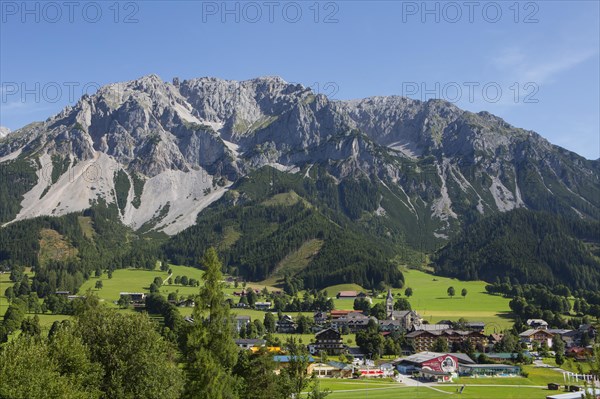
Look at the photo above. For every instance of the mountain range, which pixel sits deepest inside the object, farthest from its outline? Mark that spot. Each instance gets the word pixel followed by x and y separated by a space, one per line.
pixel 394 168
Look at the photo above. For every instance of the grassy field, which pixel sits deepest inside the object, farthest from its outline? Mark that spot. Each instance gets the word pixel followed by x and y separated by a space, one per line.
pixel 4 284
pixel 433 304
pixel 295 262
pixel 429 295
pixel 431 301
pixel 123 280
pixel 377 389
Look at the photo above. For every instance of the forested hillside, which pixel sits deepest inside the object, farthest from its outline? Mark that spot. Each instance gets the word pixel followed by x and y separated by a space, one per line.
pixel 528 247
pixel 269 215
pixel 86 243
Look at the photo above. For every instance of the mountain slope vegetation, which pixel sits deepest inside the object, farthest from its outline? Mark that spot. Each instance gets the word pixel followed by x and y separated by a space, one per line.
pixel 527 248
pixel 270 230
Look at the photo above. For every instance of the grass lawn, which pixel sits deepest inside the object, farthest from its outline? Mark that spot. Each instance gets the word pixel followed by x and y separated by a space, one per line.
pixel 479 392
pixel 569 365
pixel 378 389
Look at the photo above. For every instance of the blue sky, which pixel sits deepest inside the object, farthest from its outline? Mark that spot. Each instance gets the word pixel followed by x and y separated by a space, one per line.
pixel 536 64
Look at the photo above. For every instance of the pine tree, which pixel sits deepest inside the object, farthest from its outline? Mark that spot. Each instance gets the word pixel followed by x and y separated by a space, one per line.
pixel 211 350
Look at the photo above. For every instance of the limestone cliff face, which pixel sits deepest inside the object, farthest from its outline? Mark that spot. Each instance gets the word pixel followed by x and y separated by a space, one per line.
pixel 184 143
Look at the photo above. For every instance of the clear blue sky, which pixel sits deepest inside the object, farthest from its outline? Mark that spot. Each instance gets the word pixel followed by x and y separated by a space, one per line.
pixel 548 51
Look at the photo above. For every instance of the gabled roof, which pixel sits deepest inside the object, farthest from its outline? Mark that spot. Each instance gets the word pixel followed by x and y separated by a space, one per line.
pixel 392 322
pixel 355 350
pixel 559 331
pixel 401 313
pixel 475 324
pixel 463 358
pixel 327 329
pixel 532 331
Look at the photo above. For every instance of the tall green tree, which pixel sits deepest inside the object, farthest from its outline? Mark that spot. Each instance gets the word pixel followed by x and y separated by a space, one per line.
pixel 402 304
pixel 270 322
pixel 370 340
pixel 211 351
pixel 137 361
pixel 440 345
pixel 30 368
pixel 294 377
pixel 259 380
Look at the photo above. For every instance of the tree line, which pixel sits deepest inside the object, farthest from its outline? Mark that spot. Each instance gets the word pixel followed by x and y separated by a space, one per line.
pixel 102 353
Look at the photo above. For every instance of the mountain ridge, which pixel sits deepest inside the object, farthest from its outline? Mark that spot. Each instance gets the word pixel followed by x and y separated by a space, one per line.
pixel 181 145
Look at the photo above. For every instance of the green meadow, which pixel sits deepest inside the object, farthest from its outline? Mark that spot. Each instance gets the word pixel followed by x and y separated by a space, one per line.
pixel 123 280
pixel 429 297
pixel 431 301
pixel 4 284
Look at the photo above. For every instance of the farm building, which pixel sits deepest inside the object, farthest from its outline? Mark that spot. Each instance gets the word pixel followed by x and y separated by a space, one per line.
pixel 347 294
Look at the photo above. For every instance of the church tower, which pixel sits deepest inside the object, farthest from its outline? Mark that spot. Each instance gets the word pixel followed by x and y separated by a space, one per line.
pixel 389 305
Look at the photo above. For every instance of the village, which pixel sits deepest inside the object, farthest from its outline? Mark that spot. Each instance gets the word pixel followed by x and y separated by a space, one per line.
pixel 429 353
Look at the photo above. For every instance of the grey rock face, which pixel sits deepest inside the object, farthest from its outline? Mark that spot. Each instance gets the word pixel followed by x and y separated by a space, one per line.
pixel 4 131
pixel 431 154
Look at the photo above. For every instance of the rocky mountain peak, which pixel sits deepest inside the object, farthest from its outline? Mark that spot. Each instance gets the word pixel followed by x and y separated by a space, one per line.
pixel 190 139
pixel 4 131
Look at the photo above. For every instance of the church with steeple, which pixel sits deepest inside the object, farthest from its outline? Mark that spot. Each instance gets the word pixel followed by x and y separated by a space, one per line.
pixel 399 319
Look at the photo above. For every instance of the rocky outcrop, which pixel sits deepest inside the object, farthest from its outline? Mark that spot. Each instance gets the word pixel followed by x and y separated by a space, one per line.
pixel 441 162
